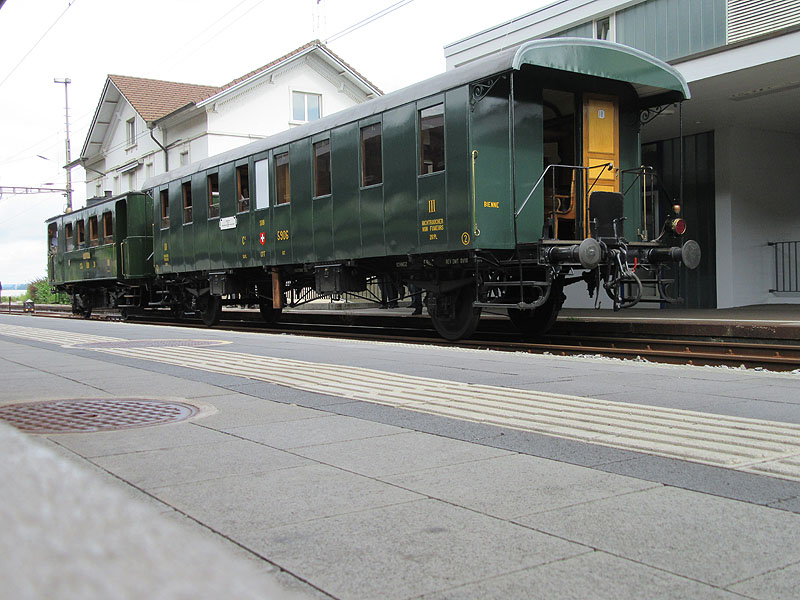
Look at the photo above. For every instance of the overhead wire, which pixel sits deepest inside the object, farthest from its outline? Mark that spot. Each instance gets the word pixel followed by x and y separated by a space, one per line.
pixel 368 20
pixel 69 5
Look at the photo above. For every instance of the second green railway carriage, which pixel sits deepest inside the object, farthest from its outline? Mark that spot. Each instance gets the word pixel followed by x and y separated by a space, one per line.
pixel 101 255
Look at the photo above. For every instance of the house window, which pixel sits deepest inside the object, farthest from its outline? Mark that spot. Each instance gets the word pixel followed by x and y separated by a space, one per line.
pixel 262 184
pixel 68 235
pixel 164 196
pixel 431 133
pixel 306 107
pixel 243 188
pixel 108 232
pixel 371 159
pixel 132 180
pixel 322 168
pixel 186 189
pixel 602 29
pixel 282 183
pixel 130 131
pixel 81 234
pixel 213 196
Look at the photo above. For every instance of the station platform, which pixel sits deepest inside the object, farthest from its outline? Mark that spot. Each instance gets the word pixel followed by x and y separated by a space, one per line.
pixel 323 468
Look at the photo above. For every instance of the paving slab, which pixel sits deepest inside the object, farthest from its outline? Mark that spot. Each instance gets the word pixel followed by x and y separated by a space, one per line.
pixel 199 462
pixel 325 429
pixel 514 485
pixel 401 453
pixel 596 575
pixel 780 584
pixel 709 539
pixel 246 506
pixel 408 550
pixel 234 411
pixel 125 441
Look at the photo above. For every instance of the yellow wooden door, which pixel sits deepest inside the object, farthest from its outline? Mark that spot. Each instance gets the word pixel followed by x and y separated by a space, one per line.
pixel 600 147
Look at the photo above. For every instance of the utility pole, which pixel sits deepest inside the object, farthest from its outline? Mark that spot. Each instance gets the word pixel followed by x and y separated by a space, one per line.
pixel 66 82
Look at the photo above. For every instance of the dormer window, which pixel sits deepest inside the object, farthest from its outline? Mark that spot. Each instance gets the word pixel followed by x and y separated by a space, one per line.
pixel 306 107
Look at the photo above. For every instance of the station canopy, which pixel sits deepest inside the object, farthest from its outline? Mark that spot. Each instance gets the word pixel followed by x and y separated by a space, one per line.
pixel 655 81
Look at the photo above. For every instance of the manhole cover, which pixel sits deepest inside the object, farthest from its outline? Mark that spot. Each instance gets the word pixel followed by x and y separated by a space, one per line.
pixel 147 344
pixel 93 414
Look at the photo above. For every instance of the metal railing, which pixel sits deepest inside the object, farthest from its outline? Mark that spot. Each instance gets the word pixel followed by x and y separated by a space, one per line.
pixel 787 267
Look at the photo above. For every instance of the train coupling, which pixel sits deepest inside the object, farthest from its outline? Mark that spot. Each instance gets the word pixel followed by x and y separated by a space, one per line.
pixel 589 253
pixel 689 254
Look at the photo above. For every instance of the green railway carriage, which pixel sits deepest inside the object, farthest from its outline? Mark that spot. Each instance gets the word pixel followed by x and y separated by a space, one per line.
pixel 98 253
pixel 492 185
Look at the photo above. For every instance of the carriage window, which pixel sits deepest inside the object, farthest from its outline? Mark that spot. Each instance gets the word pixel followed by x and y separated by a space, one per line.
pixel 164 197
pixel 431 133
pixel 243 188
pixel 93 237
pixel 52 237
pixel 70 241
pixel 262 184
pixel 322 168
pixel 186 189
pixel 282 183
pixel 371 159
pixel 213 196
pixel 108 231
pixel 81 233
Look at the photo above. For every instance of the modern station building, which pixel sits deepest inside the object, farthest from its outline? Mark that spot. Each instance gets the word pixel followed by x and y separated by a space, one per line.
pixel 741 127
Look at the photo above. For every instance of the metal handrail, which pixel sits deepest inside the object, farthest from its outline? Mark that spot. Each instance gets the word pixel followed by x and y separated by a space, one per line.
pixel 572 167
pixel 787 266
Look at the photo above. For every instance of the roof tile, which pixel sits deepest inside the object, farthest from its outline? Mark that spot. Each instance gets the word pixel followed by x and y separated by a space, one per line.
pixel 154 99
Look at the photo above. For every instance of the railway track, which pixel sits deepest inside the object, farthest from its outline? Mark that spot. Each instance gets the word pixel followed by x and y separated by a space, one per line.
pixel 496 333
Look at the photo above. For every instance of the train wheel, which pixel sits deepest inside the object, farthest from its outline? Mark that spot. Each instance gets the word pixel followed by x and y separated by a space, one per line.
pixel 82 306
pixel 464 319
pixel 538 321
pixel 269 314
pixel 210 310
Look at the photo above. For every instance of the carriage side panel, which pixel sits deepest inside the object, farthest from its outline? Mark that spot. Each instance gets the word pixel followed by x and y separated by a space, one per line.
pixel 302 227
pixel 490 137
pixel 457 169
pixel 400 168
pixel 345 171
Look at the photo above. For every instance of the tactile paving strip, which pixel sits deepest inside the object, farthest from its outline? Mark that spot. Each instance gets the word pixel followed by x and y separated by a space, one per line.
pixel 93 414
pixel 147 344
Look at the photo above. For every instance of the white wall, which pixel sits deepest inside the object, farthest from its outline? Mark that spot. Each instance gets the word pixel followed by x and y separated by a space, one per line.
pixel 119 153
pixel 263 107
pixel 756 202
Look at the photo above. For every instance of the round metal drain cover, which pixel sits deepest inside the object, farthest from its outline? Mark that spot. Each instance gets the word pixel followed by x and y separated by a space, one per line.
pixel 93 414
pixel 148 344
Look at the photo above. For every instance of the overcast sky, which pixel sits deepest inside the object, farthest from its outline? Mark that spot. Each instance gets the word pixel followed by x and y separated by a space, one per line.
pixel 192 41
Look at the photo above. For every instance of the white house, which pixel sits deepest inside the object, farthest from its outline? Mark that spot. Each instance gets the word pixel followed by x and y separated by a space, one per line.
pixel 144 127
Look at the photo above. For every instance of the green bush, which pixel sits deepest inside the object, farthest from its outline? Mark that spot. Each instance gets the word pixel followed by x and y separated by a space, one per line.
pixel 39 292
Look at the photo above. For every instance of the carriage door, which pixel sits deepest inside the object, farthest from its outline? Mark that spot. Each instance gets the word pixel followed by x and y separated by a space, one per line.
pixel 600 147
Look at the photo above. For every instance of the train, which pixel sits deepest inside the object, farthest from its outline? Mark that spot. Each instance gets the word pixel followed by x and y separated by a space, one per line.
pixel 491 186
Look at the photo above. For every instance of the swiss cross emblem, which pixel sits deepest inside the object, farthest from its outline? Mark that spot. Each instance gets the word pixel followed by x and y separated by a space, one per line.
pixel 262 238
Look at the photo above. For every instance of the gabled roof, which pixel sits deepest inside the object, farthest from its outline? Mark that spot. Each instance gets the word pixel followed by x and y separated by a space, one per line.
pixel 153 99
pixel 313 46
